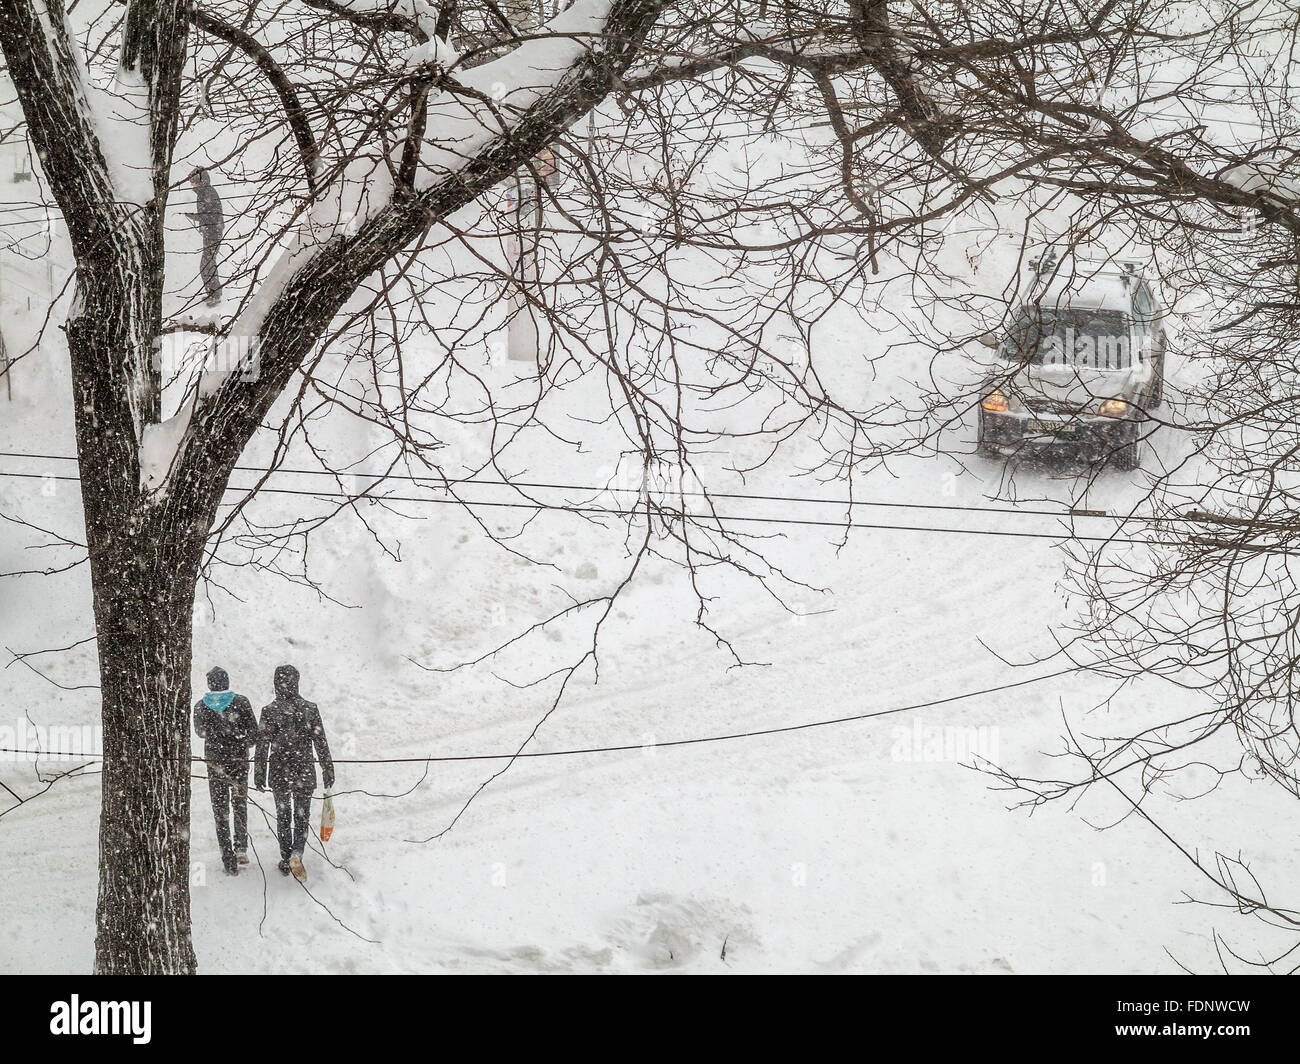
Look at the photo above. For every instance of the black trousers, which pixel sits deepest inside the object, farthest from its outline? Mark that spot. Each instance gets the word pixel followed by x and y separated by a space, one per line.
pixel 208 267
pixel 292 812
pixel 228 788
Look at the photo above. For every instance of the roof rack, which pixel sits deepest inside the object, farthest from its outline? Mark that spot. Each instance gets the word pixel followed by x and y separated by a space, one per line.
pixel 1047 264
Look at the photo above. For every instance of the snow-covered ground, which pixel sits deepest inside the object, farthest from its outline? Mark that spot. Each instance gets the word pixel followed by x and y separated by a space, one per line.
pixel 863 846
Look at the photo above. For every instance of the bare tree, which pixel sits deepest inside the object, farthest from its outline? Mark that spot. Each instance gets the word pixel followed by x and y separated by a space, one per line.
pixel 146 534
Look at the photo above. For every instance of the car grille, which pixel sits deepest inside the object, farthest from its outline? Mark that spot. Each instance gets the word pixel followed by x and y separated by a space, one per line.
pixel 1040 404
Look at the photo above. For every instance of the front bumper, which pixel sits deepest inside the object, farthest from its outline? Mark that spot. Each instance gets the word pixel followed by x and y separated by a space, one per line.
pixel 1089 436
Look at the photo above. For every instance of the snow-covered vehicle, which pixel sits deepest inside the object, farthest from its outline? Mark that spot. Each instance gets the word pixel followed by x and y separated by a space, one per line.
pixel 1081 366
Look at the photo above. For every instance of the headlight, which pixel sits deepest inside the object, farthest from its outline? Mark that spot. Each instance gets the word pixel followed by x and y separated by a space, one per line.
pixel 1113 408
pixel 996 402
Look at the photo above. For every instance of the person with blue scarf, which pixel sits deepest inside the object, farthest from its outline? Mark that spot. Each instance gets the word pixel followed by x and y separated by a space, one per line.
pixel 227 725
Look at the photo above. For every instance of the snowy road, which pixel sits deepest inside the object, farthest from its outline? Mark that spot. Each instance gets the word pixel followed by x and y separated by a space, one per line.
pixel 863 846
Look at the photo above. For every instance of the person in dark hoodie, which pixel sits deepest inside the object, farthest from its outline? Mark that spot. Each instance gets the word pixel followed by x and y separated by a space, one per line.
pixel 290 741
pixel 211 223
pixel 228 727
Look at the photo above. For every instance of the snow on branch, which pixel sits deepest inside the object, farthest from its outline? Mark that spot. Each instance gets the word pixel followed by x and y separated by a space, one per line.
pixel 477 110
pixel 119 115
pixel 483 104
pixel 77 131
pixel 482 128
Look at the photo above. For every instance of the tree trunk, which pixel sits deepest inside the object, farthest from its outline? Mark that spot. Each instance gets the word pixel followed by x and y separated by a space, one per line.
pixel 144 589
pixel 145 551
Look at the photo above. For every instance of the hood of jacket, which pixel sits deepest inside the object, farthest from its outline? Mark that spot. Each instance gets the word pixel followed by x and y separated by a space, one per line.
pixel 286 683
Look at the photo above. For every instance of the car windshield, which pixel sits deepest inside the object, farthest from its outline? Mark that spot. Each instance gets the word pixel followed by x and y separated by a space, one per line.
pixel 1045 336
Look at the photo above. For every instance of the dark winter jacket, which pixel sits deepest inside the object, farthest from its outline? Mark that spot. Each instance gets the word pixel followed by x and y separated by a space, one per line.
pixel 227 725
pixel 291 727
pixel 210 217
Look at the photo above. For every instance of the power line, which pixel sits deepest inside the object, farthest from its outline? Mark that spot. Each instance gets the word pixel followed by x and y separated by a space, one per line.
pixel 628 747
pixel 1071 512
pixel 720 519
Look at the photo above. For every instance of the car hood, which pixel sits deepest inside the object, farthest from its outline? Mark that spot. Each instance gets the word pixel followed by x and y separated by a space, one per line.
pixel 1076 385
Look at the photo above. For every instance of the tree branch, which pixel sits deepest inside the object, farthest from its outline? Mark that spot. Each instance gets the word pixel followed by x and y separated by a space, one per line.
pixel 223 423
pixel 382 21
pixel 47 74
pixel 289 100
